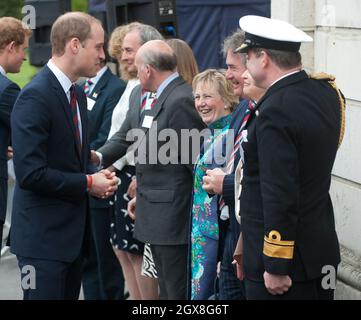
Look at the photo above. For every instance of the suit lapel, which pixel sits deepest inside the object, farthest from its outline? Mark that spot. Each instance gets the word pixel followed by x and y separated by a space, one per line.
pixel 102 82
pixel 154 112
pixel 136 103
pixel 66 106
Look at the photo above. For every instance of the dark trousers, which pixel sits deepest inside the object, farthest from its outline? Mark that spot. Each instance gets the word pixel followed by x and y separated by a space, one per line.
pixel 307 290
pixel 171 264
pixel 90 277
pixel 49 279
pixel 230 288
pixel 3 203
pixel 102 274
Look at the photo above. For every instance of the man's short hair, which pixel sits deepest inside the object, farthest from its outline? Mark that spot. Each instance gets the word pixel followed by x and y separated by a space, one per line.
pixel 283 59
pixel 146 32
pixel 12 29
pixel 70 25
pixel 232 42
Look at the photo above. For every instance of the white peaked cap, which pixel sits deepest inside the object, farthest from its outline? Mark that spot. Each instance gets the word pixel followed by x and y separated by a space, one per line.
pixel 269 33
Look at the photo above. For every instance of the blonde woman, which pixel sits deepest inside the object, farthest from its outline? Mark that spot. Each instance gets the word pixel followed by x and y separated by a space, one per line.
pixel 214 101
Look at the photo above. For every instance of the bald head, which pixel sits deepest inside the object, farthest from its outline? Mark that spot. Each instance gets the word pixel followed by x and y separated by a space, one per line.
pixel 158 54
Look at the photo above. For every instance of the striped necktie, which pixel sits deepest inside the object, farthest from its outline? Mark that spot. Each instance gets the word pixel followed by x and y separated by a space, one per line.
pixel 148 101
pixel 87 86
pixel 239 137
pixel 237 143
pixel 74 114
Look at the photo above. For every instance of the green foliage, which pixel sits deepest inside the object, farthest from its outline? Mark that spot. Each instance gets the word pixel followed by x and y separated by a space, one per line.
pixel 79 5
pixel 11 8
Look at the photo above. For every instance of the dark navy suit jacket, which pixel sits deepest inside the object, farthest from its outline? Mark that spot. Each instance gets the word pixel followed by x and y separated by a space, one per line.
pixel 50 200
pixel 8 94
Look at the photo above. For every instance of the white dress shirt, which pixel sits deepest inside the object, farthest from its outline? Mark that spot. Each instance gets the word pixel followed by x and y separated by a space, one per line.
pixel 118 117
pixel 2 71
pixel 121 108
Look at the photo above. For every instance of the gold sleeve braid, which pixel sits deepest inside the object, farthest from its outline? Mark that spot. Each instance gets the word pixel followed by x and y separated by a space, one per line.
pixel 275 247
pixel 331 80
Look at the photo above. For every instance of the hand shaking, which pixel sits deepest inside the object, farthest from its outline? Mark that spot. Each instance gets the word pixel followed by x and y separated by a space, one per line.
pixel 104 184
pixel 132 189
pixel 94 159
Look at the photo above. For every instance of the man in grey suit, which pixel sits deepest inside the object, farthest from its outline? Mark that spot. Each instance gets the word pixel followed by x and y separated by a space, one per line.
pixel 164 190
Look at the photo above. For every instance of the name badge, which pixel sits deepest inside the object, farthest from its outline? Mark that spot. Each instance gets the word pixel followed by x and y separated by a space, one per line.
pixel 147 122
pixel 90 103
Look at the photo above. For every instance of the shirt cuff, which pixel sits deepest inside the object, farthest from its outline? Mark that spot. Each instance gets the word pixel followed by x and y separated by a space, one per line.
pixel 100 156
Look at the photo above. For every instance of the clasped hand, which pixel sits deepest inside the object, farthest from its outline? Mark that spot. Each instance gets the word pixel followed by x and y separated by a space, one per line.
pixel 277 284
pixel 104 184
pixel 213 181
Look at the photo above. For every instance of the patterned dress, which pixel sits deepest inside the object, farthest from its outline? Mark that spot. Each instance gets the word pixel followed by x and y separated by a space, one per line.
pixel 205 227
pixel 122 225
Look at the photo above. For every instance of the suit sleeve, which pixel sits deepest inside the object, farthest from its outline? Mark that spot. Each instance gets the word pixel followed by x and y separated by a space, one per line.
pixel 277 150
pixel 117 146
pixel 31 124
pixel 7 101
pixel 109 105
pixel 183 115
pixel 228 189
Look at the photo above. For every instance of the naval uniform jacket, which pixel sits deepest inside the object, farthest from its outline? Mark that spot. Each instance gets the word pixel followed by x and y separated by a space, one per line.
pixel 286 211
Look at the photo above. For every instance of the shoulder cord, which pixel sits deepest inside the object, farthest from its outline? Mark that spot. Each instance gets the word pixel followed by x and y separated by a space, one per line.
pixel 331 80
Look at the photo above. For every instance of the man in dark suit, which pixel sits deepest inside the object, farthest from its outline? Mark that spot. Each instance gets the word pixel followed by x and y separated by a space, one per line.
pixel 102 275
pixel 14 39
pixel 291 142
pixel 164 190
pixel 51 149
